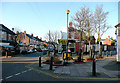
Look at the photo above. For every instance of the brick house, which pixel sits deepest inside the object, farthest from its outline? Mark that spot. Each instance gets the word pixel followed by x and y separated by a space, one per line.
pixel 106 41
pixel 7 36
pixel 27 41
pixel 73 40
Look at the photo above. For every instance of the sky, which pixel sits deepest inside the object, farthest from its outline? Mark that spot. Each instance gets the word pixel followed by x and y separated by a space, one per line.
pixel 40 17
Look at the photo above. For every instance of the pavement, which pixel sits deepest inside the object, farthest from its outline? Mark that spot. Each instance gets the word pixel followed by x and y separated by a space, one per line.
pixel 82 71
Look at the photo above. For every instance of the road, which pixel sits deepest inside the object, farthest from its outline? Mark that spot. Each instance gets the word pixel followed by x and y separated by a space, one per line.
pixel 14 70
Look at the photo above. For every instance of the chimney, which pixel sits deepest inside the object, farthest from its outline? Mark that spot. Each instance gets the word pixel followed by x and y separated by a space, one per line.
pixel 24 32
pixel 111 37
pixel 32 34
pixel 70 24
pixel 41 38
pixel 12 29
pixel 36 36
pixel 17 32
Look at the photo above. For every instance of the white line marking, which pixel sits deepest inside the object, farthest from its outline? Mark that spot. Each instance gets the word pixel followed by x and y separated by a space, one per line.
pixel 29 69
pixel 17 74
pixel 24 71
pixel 9 77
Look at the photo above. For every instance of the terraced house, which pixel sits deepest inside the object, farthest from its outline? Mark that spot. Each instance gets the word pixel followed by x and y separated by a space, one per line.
pixel 27 41
pixel 7 37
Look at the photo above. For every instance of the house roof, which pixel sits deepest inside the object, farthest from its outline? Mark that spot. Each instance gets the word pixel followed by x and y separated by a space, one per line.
pixel 38 39
pixel 110 39
pixel 118 25
pixel 35 38
pixel 114 40
pixel 4 28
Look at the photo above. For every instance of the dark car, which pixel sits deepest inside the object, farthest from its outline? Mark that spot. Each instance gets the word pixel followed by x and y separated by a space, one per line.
pixel 24 51
pixel 39 49
pixel 34 50
pixel 2 52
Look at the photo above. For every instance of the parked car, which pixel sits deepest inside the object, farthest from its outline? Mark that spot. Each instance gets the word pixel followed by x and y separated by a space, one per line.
pixel 12 50
pixel 44 49
pixel 30 51
pixel 2 52
pixel 39 49
pixel 34 50
pixel 24 51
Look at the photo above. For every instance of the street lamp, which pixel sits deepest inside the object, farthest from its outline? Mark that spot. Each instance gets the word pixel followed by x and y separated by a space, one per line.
pixel 67 11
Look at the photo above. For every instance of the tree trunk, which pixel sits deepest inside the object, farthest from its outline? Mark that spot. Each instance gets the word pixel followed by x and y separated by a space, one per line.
pixel 99 41
pixel 99 49
pixel 90 48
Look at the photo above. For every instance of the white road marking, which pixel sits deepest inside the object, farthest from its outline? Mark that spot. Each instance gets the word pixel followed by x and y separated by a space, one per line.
pixel 29 69
pixel 17 74
pixel 9 77
pixel 24 71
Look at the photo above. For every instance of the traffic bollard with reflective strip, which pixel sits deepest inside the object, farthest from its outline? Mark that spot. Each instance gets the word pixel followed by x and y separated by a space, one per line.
pixel 39 61
pixel 51 63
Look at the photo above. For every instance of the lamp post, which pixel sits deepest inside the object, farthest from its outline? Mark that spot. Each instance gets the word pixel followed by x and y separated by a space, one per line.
pixel 67 11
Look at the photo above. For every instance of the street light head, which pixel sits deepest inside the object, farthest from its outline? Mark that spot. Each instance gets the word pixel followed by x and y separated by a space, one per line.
pixel 67 11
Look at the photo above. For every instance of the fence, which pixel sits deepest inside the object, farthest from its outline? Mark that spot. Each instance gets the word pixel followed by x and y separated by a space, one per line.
pixel 103 47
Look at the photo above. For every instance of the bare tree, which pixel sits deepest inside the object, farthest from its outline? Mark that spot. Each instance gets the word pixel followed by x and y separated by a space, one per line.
pixel 100 18
pixel 52 36
pixel 83 21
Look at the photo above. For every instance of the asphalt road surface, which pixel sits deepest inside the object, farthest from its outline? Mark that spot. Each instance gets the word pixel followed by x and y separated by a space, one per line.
pixel 14 70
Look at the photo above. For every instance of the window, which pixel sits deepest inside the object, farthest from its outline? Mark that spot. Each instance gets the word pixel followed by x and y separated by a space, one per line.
pixel 9 36
pixel 3 35
pixel 118 31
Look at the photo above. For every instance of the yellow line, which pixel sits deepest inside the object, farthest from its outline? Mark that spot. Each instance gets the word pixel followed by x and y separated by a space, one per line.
pixel 64 77
pixel 19 62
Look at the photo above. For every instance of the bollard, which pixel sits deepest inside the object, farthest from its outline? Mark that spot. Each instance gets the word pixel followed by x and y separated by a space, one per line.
pixel 110 53
pixel 51 63
pixel 94 68
pixel 6 55
pixel 103 53
pixel 39 61
pixel 107 53
pixel 64 59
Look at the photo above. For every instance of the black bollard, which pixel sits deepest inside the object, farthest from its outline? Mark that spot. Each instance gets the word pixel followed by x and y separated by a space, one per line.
pixel 94 68
pixel 110 53
pixel 39 61
pixel 51 63
pixel 64 59
pixel 107 53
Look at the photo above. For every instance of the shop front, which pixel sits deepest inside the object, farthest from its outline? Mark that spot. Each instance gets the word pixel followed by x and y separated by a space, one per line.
pixel 62 46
